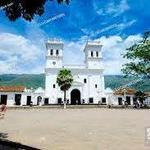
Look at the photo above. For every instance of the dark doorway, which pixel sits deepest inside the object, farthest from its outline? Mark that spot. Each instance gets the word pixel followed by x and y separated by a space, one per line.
pixel 120 100
pixel 134 100
pixel 17 99
pixel 28 100
pixel 46 101
pixel 128 100
pixel 103 100
pixel 39 100
pixel 91 100
pixel 59 100
pixel 75 97
pixel 3 99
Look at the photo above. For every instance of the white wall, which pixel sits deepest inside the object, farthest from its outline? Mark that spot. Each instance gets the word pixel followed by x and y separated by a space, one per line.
pixel 53 62
pixel 51 92
pixel 87 90
pixel 11 97
pixel 113 99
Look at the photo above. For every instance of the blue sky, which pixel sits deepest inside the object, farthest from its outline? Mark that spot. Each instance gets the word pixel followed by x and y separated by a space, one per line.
pixel 116 23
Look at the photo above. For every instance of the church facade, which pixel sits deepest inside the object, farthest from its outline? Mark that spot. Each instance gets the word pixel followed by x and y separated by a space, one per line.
pixel 88 85
pixel 88 82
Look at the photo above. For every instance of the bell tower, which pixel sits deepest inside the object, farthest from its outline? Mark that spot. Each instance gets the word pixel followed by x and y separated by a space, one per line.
pixel 93 55
pixel 54 56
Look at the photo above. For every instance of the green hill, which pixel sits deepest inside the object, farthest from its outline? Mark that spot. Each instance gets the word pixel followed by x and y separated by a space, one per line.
pixel 38 80
pixel 115 81
pixel 27 80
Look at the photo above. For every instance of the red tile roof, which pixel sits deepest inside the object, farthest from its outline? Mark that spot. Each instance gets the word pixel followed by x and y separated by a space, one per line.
pixel 147 93
pixel 12 88
pixel 122 91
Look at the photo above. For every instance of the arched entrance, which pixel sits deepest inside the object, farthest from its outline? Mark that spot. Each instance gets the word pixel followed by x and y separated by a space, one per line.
pixel 39 100
pixel 75 97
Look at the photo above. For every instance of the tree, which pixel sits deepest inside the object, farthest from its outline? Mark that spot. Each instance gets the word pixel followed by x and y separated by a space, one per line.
pixel 139 56
pixel 26 9
pixel 64 80
pixel 141 96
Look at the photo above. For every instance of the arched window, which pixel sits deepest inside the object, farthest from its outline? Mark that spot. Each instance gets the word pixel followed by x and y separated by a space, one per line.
pixel 91 53
pixel 57 52
pixel 39 99
pixel 97 54
pixel 54 85
pixel 85 80
pixel 51 52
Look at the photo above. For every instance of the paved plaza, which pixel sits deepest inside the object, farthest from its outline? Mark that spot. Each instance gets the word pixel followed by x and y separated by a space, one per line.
pixel 77 129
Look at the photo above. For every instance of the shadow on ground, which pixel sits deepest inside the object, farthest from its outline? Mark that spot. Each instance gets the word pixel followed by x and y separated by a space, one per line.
pixel 6 144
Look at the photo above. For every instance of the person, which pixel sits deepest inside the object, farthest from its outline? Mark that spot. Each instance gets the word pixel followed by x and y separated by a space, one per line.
pixel 2 110
pixel 31 104
pixel 126 104
pixel 136 104
pixel 76 101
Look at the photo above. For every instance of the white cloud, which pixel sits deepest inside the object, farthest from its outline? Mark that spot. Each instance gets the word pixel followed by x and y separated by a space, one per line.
pixel 100 12
pixel 113 49
pixel 7 66
pixel 125 25
pixel 18 54
pixel 115 27
pixel 73 52
pixel 113 9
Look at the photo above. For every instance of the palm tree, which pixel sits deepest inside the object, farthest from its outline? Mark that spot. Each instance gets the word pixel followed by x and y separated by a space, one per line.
pixel 64 80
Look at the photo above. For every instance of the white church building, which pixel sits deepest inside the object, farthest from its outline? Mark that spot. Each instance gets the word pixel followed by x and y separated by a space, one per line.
pixel 88 85
pixel 88 82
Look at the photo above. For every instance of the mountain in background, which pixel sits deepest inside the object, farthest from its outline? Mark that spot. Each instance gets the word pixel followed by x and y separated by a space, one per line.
pixel 38 80
pixel 27 80
pixel 115 81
